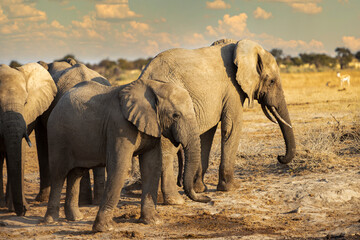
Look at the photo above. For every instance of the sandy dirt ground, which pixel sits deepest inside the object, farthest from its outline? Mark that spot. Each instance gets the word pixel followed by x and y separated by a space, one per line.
pixel 317 196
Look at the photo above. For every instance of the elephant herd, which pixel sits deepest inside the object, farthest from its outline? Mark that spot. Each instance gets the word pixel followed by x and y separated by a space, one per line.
pixel 81 122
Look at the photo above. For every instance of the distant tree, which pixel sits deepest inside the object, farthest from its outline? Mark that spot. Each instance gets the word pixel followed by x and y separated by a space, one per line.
pixel 125 64
pixel 344 56
pixel 14 64
pixel 296 61
pixel 140 63
pixel 107 63
pixel 277 53
pixel 318 60
pixel 357 55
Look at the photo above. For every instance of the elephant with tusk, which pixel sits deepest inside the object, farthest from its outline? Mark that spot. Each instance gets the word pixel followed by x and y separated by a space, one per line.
pixel 219 78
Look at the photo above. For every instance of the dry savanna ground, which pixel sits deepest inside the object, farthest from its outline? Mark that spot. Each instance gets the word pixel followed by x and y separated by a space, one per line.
pixel 317 196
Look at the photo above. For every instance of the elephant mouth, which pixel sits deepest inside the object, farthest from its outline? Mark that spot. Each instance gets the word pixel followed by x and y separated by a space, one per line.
pixel 275 113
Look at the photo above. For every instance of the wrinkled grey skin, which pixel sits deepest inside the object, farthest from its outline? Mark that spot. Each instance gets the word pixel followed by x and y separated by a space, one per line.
pixel 125 121
pixel 219 78
pixel 25 93
pixel 66 74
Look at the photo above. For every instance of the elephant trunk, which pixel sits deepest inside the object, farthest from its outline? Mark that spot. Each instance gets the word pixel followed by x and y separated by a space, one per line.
pixel 281 114
pixel 192 160
pixel 14 129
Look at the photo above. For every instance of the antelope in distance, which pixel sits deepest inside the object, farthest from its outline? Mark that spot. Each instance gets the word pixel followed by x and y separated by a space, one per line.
pixel 343 78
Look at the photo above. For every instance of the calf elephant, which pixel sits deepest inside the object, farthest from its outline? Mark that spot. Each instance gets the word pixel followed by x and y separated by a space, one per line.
pixel 66 74
pixel 25 93
pixel 123 121
pixel 219 78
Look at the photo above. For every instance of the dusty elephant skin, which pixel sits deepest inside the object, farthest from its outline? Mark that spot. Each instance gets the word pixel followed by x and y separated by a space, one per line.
pixel 124 121
pixel 25 93
pixel 219 78
pixel 66 74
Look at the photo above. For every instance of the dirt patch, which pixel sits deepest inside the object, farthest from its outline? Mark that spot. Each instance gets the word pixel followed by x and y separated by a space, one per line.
pixel 316 196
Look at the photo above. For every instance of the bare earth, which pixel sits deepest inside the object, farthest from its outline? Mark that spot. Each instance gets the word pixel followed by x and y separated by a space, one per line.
pixel 317 196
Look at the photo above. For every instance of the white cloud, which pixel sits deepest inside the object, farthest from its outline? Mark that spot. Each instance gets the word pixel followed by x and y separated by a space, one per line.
pixel 308 8
pixel 115 10
pixel 57 25
pixel 3 17
pixel 351 42
pixel 290 46
pixel 195 39
pixel 230 26
pixel 9 28
pixel 28 12
pixel 217 4
pixel 152 48
pixel 138 26
pixel 260 13
pixel 304 6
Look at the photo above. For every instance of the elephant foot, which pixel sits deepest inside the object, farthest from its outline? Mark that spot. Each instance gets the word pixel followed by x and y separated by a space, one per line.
pixel 175 199
pixel 73 214
pixel 149 220
pixel 226 187
pixel 43 195
pixel 199 186
pixel 103 225
pixel 51 217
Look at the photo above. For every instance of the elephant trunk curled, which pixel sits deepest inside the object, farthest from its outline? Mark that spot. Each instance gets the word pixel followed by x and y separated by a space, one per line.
pixel 287 131
pixel 14 129
pixel 192 160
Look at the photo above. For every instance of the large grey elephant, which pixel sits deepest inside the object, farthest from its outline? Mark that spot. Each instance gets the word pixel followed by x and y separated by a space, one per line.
pixel 66 74
pixel 25 93
pixel 96 125
pixel 219 78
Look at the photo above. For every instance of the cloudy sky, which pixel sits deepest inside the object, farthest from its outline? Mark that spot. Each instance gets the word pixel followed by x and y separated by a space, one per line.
pixel 92 30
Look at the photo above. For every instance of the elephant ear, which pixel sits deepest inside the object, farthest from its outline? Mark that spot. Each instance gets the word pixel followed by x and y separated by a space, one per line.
pixel 247 58
pixel 41 90
pixel 139 106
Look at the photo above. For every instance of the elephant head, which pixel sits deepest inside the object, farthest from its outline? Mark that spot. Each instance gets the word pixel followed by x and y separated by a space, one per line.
pixel 25 93
pixel 158 108
pixel 259 77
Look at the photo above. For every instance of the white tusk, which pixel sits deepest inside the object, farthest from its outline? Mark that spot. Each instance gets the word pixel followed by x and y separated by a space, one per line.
pixel 277 115
pixel 267 114
pixel 27 140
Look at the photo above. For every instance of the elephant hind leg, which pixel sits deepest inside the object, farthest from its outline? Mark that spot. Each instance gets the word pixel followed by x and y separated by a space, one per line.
pixel 72 211
pixel 206 140
pixel 85 197
pixel 52 212
pixel 42 150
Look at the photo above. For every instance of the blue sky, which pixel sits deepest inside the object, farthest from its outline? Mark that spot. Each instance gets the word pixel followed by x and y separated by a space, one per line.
pixel 92 30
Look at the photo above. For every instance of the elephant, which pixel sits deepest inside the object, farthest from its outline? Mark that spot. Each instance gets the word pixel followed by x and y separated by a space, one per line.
pixel 219 78
pixel 66 74
pixel 125 121
pixel 25 93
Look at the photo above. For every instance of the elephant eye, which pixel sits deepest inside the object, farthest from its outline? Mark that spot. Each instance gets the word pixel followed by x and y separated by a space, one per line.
pixel 176 116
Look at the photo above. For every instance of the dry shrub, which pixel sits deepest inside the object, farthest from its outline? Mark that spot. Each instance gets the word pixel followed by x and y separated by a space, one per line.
pixel 328 147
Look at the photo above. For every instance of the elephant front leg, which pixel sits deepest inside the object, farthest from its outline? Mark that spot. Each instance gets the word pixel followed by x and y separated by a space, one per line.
pixel 168 182
pixel 150 167
pixel 2 194
pixel 116 167
pixel 230 139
